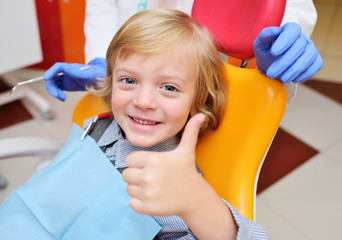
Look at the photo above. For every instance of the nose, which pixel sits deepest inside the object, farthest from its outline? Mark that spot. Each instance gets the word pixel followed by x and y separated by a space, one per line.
pixel 145 99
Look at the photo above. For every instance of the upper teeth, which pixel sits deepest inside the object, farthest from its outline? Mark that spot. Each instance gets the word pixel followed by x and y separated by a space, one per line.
pixel 144 122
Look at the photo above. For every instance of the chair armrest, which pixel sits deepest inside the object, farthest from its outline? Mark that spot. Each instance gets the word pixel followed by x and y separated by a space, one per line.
pixel 29 146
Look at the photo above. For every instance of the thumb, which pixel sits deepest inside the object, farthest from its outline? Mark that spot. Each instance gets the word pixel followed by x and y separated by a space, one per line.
pixel 190 134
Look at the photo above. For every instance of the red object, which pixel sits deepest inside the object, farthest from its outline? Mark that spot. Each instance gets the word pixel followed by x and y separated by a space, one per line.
pixel 61 31
pixel 236 23
pixel 105 115
pixel 50 33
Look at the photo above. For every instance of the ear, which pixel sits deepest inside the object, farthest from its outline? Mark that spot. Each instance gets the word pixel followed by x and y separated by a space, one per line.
pixel 193 111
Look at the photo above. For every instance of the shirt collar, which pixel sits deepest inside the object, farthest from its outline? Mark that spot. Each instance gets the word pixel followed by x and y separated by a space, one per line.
pixel 111 134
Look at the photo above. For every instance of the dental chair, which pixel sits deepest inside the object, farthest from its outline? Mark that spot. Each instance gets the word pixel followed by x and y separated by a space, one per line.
pixel 231 156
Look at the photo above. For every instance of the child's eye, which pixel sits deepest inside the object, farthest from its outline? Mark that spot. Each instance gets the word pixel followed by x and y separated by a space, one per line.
pixel 128 80
pixel 169 88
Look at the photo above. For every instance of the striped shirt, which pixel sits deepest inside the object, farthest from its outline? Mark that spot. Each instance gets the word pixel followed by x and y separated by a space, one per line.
pixel 173 227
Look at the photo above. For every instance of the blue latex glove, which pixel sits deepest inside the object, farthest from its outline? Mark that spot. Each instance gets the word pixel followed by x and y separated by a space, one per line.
pixel 287 54
pixel 76 78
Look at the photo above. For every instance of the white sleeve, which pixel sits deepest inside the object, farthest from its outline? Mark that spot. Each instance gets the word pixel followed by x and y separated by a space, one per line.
pixel 302 12
pixel 100 25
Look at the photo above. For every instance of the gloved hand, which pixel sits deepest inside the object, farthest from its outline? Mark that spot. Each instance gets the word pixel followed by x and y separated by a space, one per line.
pixel 76 77
pixel 287 54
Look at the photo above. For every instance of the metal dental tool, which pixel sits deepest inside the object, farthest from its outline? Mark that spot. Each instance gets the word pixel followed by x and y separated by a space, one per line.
pixel 32 80
pixel 37 79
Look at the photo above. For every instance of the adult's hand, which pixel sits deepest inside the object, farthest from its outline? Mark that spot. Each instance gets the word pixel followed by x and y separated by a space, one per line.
pixel 76 77
pixel 286 53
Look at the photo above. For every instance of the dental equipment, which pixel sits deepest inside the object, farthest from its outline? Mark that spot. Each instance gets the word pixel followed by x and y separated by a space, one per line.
pixel 32 80
pixel 37 79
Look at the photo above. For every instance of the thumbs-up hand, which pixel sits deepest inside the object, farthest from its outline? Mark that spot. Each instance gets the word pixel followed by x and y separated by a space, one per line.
pixel 161 184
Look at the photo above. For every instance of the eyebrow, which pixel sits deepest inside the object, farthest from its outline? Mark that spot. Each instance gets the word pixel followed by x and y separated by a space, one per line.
pixel 132 72
pixel 164 76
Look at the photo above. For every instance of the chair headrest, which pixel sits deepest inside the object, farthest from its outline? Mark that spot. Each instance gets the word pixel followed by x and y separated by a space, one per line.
pixel 236 23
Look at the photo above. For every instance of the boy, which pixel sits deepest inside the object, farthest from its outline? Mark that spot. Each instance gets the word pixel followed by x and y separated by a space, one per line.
pixel 165 85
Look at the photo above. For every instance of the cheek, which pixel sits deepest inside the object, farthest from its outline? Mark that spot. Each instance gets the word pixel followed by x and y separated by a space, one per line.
pixel 118 101
pixel 178 114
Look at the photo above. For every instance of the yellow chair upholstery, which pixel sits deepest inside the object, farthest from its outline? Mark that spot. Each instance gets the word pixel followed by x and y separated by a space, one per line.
pixel 230 156
pixel 89 106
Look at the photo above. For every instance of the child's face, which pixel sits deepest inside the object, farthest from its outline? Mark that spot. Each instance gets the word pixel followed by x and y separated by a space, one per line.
pixel 153 96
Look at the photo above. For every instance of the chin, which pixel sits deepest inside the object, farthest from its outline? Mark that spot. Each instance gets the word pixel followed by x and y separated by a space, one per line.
pixel 142 142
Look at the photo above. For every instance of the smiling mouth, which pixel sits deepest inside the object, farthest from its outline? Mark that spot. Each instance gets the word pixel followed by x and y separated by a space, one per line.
pixel 144 122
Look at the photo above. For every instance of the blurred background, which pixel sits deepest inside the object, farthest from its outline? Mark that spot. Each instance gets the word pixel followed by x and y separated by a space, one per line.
pixel 298 196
